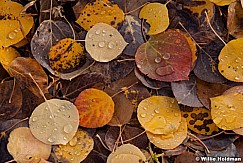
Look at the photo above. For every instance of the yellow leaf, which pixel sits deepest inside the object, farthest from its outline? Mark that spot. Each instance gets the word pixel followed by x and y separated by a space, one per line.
pixel 66 54
pixel 222 2
pixel 172 140
pixel 199 120
pixel 77 148
pixel 14 25
pixel 156 14
pixel 227 111
pixel 7 55
pixel 100 11
pixel 159 114
pixel 230 60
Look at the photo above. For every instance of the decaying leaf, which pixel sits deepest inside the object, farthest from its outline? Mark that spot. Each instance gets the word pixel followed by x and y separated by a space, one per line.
pixel 126 153
pixel 230 60
pixel 156 14
pixel 14 25
pixel 226 111
pixel 77 148
pixel 65 55
pixel 25 70
pixel 48 34
pixel 171 140
pixel 131 30
pixel 104 43
pixel 235 19
pixel 7 55
pixel 199 120
pixel 10 99
pixel 165 57
pixel 222 2
pixel 24 147
pixel 95 108
pixel 159 114
pixel 100 11
pixel 54 121
pixel 186 92
pixel 187 157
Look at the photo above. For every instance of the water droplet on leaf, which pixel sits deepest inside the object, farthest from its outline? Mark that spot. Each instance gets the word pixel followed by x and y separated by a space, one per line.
pixel 68 128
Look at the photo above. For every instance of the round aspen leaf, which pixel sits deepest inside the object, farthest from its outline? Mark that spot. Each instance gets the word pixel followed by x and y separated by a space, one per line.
pixel 77 149
pixel 156 14
pixel 100 12
pixel 54 121
pixel 14 24
pixel 227 111
pixel 96 108
pixel 222 2
pixel 104 43
pixel 159 114
pixel 65 55
pixel 24 147
pixel 171 140
pixel 230 60
pixel 126 153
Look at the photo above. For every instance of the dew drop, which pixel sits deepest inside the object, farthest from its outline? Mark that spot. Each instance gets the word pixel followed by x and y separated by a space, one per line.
pixel 51 139
pixel 90 35
pixel 97 32
pixel 34 119
pixel 177 41
pixel 73 141
pixel 102 13
pixel 157 60
pixel 12 35
pixel 166 56
pixel 176 114
pixel 104 31
pixel 165 70
pixel 143 115
pixel 157 111
pixel 144 108
pixel 16 30
pixel 65 138
pixel 111 45
pixel 139 66
pixel 68 128
pixel 238 59
pixel 55 129
pixel 101 44
pixel 237 78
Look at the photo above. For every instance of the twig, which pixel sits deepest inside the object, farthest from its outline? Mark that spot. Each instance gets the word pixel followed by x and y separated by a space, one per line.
pixel 199 140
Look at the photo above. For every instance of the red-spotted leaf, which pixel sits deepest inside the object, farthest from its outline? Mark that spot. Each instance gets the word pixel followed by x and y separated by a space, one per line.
pixel 166 57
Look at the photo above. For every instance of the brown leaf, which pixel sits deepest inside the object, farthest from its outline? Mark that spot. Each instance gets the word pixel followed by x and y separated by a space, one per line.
pixel 10 99
pixel 27 71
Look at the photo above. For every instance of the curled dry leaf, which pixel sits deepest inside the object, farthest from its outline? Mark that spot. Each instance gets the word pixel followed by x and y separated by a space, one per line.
pixel 186 92
pixel 95 108
pixel 48 34
pixel 54 121
pixel 14 25
pixel 25 70
pixel 65 55
pixel 24 147
pixel 10 99
pixel 104 43
pixel 170 140
pixel 165 57
pixel 159 114
pixel 77 148
pixel 100 12
pixel 222 2
pixel 156 14
pixel 235 19
pixel 199 120
pixel 230 60
pixel 127 153
pixel 7 55
pixel 227 111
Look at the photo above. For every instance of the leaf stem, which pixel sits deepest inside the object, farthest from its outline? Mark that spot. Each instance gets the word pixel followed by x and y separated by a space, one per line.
pixel 136 8
pixel 124 89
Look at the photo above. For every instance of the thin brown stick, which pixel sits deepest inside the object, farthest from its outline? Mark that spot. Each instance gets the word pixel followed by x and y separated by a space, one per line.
pixel 137 8
pixel 199 140
pixel 212 136
pixel 124 90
